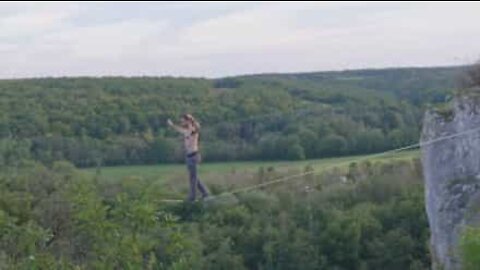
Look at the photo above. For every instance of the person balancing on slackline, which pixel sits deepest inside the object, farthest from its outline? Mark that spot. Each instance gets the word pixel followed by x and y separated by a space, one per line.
pixel 190 129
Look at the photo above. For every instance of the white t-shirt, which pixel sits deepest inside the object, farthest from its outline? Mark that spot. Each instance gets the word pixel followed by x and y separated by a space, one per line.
pixel 190 140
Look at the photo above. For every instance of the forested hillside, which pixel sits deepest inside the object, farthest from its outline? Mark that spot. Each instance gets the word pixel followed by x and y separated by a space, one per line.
pixel 119 121
pixel 363 215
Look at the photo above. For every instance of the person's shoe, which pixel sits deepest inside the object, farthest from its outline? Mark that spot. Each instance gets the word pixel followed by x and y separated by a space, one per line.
pixel 206 198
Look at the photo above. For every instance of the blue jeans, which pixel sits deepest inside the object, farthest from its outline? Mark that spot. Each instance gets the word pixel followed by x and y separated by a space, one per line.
pixel 195 183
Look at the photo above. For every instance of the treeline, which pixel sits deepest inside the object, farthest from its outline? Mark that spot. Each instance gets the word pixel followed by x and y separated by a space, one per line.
pixel 117 121
pixel 59 218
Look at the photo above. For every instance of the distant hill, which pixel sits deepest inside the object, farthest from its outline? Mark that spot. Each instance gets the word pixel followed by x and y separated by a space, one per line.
pixel 414 84
pixel 117 121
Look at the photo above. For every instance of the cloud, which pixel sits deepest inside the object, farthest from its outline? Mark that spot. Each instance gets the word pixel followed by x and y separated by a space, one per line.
pixel 220 39
pixel 108 40
pixel 32 19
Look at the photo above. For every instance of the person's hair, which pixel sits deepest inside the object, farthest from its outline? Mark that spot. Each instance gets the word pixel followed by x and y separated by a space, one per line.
pixel 192 121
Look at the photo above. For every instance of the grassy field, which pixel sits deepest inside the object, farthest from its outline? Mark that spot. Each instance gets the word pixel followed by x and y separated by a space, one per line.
pixel 206 170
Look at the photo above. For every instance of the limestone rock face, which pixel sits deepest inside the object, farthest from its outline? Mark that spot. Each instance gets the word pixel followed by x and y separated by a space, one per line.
pixel 452 177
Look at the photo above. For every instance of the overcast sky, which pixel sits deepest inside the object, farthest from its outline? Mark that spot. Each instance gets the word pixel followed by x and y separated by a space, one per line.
pixel 221 39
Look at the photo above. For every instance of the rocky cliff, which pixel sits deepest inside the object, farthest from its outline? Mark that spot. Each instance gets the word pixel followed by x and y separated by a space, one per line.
pixel 452 176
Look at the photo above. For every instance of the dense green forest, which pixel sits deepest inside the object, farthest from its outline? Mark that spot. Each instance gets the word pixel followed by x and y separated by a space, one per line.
pixel 120 121
pixel 59 218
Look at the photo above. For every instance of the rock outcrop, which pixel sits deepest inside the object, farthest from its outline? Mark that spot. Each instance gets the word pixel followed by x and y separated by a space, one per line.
pixel 452 176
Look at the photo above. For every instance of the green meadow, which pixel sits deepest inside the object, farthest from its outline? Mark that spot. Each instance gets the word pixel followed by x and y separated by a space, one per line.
pixel 165 172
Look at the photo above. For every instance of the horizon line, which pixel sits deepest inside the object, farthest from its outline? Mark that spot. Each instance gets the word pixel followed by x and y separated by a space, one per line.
pixel 233 76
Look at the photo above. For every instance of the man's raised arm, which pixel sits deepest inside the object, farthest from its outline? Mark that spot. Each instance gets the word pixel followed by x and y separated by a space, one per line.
pixel 177 128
